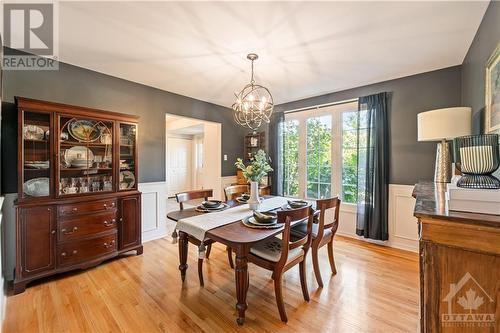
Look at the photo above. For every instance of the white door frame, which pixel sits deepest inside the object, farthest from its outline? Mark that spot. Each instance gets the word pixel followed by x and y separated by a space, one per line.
pixel 216 152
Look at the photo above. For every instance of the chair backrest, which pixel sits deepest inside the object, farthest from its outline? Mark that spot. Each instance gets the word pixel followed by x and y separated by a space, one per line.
pixel 322 205
pixel 233 191
pixel 265 190
pixel 288 217
pixel 191 195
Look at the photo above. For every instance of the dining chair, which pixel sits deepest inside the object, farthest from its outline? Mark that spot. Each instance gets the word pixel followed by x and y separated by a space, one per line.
pixel 233 191
pixel 193 195
pixel 279 255
pixel 322 233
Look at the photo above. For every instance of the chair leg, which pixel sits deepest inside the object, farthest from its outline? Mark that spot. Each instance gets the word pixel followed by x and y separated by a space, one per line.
pixel 317 271
pixel 200 271
pixel 303 281
pixel 279 297
pixel 330 256
pixel 207 252
pixel 230 256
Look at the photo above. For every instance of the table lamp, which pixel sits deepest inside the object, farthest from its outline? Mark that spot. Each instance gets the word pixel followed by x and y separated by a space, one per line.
pixel 442 125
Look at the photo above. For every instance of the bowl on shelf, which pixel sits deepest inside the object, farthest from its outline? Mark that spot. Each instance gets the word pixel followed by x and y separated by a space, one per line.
pixel 268 217
pixel 211 203
pixel 81 163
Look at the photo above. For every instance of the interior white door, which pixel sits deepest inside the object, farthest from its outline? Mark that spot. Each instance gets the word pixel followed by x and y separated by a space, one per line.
pixel 179 165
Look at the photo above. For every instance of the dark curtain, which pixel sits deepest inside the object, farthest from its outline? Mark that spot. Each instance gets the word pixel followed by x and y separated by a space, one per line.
pixel 373 167
pixel 276 144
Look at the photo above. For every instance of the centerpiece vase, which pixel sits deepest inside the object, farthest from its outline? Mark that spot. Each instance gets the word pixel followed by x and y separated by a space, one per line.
pixel 254 201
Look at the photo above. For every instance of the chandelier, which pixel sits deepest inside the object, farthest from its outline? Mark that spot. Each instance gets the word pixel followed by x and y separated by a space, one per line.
pixel 254 103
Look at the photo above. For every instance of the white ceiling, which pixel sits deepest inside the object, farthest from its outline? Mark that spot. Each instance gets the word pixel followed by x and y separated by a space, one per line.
pixel 198 49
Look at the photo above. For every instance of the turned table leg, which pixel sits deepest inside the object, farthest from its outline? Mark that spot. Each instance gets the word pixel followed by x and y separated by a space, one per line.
pixel 183 252
pixel 241 277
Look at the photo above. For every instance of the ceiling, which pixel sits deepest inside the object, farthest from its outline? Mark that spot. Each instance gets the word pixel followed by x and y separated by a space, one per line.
pixel 198 49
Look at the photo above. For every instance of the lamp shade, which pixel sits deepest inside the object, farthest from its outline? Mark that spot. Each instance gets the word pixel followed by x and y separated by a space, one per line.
pixel 447 124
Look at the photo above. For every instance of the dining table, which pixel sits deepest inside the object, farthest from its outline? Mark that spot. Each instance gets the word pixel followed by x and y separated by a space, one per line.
pixel 234 235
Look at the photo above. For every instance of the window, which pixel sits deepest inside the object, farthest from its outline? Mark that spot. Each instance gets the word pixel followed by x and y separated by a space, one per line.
pixel 328 140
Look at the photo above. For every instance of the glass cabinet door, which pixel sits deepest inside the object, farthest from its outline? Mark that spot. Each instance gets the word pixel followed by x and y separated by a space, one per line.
pixel 36 153
pixel 128 141
pixel 85 156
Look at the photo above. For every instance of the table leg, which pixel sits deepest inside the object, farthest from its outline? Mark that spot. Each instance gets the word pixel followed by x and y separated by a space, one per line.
pixel 183 253
pixel 242 283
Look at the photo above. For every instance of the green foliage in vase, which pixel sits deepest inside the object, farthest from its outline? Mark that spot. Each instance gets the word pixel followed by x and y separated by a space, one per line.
pixel 258 167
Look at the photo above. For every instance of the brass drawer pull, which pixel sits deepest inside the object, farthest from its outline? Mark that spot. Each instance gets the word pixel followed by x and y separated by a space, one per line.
pixel 106 206
pixel 74 210
pixel 66 232
pixel 64 254
pixel 111 244
pixel 109 224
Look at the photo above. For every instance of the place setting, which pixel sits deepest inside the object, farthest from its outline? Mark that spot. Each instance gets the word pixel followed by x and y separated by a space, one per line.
pixel 269 219
pixel 243 198
pixel 209 206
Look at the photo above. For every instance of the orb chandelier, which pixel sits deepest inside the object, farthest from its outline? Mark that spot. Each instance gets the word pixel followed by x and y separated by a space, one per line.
pixel 254 103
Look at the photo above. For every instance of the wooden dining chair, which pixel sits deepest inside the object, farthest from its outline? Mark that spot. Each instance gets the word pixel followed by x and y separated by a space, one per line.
pixel 322 233
pixel 234 191
pixel 279 255
pixel 181 198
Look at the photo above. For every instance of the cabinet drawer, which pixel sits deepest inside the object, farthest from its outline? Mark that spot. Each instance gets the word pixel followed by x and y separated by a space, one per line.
pixel 85 225
pixel 80 251
pixel 87 207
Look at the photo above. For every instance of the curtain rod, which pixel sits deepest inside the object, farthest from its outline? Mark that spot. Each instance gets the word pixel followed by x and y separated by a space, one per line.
pixel 319 106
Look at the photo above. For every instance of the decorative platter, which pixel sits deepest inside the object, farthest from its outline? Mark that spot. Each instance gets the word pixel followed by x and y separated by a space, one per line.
pixel 251 223
pixel 37 164
pixel 37 187
pixel 78 153
pixel 84 130
pixel 203 209
pixel 33 132
pixel 127 180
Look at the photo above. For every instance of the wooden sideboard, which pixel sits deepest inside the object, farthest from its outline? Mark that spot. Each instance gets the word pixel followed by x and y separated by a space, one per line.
pixel 459 265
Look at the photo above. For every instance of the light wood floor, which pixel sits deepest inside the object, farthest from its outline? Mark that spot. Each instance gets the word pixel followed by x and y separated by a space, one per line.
pixel 375 290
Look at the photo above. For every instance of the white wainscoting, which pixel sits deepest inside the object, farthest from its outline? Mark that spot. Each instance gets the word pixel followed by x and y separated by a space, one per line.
pixel 403 231
pixel 154 210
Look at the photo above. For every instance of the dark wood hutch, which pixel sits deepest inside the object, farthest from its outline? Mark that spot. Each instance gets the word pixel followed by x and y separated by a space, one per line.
pixel 78 202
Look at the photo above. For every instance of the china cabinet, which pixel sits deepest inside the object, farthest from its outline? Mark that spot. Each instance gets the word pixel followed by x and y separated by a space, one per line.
pixel 78 202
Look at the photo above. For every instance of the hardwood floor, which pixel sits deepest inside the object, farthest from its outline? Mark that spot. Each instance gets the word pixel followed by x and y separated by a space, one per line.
pixel 375 290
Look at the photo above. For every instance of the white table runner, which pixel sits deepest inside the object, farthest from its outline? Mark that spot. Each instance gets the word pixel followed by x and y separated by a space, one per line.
pixel 197 226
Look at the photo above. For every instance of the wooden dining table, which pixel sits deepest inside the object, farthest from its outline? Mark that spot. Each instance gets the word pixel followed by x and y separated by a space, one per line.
pixel 235 235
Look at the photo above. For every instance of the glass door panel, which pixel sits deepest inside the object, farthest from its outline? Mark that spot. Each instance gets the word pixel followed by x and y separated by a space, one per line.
pixel 128 141
pixel 319 157
pixel 36 154
pixel 291 158
pixel 85 156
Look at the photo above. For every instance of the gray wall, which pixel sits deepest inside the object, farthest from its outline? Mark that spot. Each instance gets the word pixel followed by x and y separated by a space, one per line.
pixel 79 86
pixel 411 161
pixel 474 65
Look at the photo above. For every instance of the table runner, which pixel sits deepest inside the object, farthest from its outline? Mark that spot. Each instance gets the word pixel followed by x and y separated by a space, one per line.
pixel 197 226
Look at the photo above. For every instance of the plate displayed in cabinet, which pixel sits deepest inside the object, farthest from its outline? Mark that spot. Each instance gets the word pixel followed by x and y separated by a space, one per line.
pixel 84 130
pixel 78 156
pixel 37 187
pixel 33 132
pixel 37 164
pixel 127 180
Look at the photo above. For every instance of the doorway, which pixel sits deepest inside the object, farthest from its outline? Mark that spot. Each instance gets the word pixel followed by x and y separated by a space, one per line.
pixel 193 155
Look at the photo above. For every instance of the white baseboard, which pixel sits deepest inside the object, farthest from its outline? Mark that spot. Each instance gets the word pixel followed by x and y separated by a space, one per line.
pixel 153 210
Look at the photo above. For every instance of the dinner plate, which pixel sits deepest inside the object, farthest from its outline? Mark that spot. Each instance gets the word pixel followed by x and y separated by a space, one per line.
pixel 202 209
pixel 37 187
pixel 84 130
pixel 72 153
pixel 37 164
pixel 33 132
pixel 127 180
pixel 241 200
pixel 246 222
pixel 253 220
